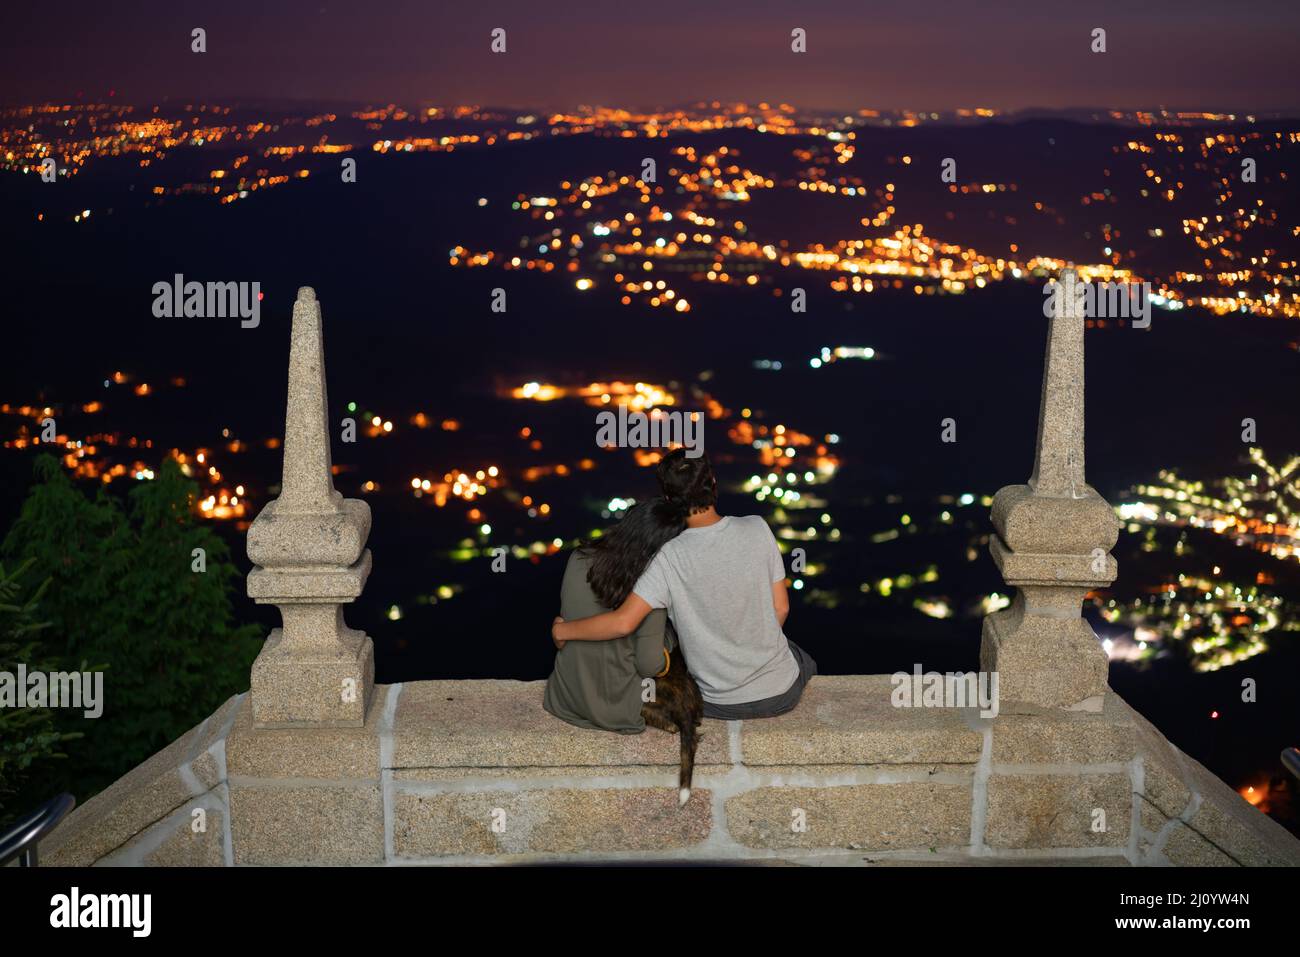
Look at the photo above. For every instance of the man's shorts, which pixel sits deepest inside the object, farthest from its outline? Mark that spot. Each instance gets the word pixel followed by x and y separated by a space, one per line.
pixel 768 707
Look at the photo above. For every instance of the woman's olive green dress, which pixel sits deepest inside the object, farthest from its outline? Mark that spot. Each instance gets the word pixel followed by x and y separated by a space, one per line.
pixel 597 684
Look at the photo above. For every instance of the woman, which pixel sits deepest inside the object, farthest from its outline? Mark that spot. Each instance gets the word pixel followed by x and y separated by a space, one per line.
pixel 597 684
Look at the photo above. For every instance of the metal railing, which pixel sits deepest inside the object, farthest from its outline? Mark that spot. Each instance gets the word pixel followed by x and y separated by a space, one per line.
pixel 21 838
pixel 1291 760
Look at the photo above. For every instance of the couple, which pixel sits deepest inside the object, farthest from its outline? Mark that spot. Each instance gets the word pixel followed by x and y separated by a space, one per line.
pixel 675 580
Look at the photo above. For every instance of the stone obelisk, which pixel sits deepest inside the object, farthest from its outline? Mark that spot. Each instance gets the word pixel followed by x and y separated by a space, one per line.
pixel 309 546
pixel 1053 544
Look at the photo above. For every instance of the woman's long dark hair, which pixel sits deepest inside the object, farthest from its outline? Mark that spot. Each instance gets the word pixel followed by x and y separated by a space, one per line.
pixel 620 556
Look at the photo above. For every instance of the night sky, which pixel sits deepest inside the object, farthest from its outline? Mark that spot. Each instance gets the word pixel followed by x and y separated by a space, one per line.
pixel 1180 54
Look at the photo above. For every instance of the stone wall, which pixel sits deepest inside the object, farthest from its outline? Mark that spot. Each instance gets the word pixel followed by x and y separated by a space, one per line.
pixel 437 763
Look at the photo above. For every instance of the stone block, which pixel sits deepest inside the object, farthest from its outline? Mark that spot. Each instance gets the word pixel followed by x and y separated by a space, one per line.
pixel 1237 828
pixel 548 820
pixel 285 585
pixel 1066 737
pixel 1186 848
pixel 335 535
pixel 1045 661
pixel 207 762
pixel 1053 525
pixel 295 686
pixel 1057 810
pixel 328 753
pixel 861 816
pixel 321 824
pixel 185 847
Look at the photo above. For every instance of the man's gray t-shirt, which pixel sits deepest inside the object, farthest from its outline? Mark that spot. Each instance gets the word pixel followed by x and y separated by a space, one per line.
pixel 716 582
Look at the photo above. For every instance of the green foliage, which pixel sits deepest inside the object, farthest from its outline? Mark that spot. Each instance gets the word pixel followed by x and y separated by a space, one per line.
pixel 75 543
pixel 121 591
pixel 29 739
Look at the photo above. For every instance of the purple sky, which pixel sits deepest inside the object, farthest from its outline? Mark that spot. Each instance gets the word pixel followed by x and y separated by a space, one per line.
pixel 1188 54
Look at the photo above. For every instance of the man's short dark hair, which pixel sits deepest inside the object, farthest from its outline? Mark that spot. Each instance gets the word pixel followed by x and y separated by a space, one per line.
pixel 687 483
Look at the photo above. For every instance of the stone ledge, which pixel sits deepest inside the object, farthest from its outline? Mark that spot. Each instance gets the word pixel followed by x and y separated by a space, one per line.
pixel 498 723
pixel 639 775
pixel 419 783
pixel 842 719
pixel 458 777
pixel 1179 787
pixel 187 768
pixel 848 719
pixel 179 840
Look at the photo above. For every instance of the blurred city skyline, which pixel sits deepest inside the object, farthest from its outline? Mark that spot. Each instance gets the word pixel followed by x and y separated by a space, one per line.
pixel 1017 56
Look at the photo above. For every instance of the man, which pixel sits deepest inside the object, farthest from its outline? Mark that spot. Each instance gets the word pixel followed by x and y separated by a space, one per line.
pixel 722 581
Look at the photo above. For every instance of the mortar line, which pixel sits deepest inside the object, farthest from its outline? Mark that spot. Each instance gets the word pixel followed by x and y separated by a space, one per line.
pixel 980 795
pixel 386 722
pixel 1137 781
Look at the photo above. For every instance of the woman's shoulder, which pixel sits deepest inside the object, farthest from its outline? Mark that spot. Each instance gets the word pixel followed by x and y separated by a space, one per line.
pixel 576 597
pixel 578 565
